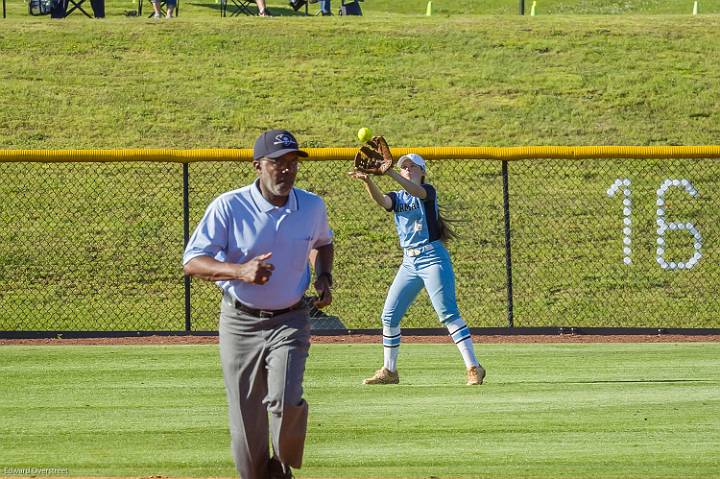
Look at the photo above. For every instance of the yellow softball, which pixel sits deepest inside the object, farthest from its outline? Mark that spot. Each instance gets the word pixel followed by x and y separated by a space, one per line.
pixel 364 134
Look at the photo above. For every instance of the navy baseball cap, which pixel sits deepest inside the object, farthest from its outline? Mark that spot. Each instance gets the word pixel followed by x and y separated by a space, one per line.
pixel 274 144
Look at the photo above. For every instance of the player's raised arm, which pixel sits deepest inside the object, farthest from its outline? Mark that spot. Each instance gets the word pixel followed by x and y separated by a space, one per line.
pixel 380 198
pixel 413 188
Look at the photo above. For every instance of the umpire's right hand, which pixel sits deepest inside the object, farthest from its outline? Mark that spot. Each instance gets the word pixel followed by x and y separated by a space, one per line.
pixel 256 270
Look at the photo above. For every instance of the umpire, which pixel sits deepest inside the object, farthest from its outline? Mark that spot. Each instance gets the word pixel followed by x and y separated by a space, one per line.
pixel 255 243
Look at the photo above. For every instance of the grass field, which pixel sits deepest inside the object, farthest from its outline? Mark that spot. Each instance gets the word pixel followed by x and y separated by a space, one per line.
pixel 546 411
pixel 98 247
pixel 458 80
pixel 93 247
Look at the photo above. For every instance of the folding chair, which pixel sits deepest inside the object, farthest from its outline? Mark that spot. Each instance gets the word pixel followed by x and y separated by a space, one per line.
pixel 76 5
pixel 57 8
pixel 163 8
pixel 239 7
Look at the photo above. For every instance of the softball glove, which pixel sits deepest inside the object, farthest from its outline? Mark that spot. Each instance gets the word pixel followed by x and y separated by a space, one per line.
pixel 374 157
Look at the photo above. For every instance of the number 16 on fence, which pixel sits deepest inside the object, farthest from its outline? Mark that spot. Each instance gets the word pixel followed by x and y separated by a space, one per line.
pixel 663 225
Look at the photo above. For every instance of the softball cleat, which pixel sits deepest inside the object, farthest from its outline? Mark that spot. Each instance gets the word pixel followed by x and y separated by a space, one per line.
pixel 475 375
pixel 383 376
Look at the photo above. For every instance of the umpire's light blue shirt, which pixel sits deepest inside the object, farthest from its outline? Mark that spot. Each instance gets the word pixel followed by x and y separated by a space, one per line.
pixel 241 224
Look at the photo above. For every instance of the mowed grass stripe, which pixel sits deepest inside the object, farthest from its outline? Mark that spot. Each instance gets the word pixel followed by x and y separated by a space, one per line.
pixel 595 411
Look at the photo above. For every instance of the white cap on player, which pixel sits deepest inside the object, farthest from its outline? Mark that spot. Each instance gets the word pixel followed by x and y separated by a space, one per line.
pixel 415 158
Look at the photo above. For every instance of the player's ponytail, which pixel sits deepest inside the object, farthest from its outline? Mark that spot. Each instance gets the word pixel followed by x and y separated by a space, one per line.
pixel 444 223
pixel 446 231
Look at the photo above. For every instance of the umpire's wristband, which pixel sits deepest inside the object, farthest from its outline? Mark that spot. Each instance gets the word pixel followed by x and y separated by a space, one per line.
pixel 327 275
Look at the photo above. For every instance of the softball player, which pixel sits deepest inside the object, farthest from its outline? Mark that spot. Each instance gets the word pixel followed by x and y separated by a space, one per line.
pixel 426 263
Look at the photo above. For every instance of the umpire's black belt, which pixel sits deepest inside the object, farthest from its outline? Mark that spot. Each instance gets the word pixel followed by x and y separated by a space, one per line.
pixel 267 313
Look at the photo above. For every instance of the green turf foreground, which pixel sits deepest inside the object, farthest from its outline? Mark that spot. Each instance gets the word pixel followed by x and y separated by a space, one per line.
pixel 546 411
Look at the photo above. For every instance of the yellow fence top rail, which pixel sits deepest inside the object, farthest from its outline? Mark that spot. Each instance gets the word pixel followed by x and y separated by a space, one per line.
pixel 430 153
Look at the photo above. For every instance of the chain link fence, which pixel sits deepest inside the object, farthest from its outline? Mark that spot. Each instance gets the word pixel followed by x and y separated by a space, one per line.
pixel 593 243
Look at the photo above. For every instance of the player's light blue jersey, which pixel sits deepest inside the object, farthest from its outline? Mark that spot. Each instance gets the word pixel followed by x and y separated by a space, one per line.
pixel 416 220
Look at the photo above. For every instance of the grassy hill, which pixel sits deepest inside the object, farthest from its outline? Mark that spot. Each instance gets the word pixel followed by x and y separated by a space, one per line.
pixel 481 80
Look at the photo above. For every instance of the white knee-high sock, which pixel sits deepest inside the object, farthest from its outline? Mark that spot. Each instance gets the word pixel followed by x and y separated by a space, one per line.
pixel 460 334
pixel 391 347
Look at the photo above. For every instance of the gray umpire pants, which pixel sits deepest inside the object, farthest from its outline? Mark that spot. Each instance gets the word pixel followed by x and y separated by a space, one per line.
pixel 263 362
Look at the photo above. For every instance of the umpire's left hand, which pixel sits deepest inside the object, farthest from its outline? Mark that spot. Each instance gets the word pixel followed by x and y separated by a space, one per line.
pixel 322 286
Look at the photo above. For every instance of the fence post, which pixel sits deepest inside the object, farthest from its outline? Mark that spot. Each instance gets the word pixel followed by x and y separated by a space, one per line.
pixel 508 251
pixel 522 7
pixel 186 238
